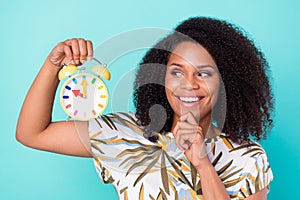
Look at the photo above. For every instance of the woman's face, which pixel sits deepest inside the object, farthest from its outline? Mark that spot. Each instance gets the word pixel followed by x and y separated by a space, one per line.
pixel 192 81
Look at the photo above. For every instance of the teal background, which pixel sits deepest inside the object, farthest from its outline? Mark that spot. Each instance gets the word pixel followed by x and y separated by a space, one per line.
pixel 30 29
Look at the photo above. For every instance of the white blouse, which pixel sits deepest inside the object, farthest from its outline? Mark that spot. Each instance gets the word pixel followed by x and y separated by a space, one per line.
pixel 141 169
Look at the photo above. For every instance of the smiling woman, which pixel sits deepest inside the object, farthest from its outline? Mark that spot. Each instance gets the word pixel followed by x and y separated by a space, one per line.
pixel 242 68
pixel 187 139
pixel 192 82
pixel 187 74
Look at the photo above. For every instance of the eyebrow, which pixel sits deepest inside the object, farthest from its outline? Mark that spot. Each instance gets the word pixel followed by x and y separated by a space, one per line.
pixel 198 67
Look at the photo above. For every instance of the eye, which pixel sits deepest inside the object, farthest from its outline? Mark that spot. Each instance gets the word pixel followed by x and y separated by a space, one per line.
pixel 176 73
pixel 204 74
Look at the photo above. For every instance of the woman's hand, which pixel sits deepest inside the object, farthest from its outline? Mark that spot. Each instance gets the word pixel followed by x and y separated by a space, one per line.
pixel 190 138
pixel 35 127
pixel 74 51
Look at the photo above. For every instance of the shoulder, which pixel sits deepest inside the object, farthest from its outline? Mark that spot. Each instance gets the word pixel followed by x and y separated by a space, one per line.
pixel 116 141
pixel 114 122
pixel 116 128
pixel 248 155
pixel 246 150
pixel 114 118
pixel 248 164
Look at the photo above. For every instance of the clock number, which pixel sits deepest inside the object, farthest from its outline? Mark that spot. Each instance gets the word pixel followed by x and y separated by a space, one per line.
pixel 84 84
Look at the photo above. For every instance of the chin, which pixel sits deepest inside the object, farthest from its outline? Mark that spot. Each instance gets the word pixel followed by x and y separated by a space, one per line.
pixel 197 112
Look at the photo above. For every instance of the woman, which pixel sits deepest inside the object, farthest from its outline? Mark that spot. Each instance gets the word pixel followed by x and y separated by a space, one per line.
pixel 178 144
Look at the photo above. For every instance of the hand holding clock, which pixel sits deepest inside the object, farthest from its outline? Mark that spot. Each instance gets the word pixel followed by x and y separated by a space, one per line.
pixel 74 51
pixel 35 126
pixel 83 95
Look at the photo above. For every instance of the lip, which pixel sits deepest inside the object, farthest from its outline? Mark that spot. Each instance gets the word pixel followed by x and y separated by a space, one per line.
pixel 189 101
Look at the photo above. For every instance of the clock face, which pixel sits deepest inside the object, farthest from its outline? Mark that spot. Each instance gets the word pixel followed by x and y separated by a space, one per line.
pixel 84 96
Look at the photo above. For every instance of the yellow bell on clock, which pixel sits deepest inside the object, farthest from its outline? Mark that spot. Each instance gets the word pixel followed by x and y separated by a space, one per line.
pixel 84 96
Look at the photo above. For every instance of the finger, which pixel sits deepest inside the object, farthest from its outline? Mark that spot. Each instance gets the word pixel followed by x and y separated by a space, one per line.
pixel 186 131
pixel 194 136
pixel 68 53
pixel 200 131
pixel 189 136
pixel 185 141
pixel 183 117
pixel 68 42
pixel 89 50
pixel 186 125
pixel 76 51
pixel 178 143
pixel 82 49
pixel 184 134
pixel 189 117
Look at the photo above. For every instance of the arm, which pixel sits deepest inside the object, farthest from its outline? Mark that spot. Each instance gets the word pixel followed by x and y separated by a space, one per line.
pixel 212 186
pixel 35 127
pixel 189 137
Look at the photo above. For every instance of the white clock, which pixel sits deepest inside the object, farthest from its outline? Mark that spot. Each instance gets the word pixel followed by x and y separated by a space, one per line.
pixel 84 96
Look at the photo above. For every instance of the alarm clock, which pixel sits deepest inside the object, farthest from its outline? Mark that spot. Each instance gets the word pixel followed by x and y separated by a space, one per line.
pixel 84 95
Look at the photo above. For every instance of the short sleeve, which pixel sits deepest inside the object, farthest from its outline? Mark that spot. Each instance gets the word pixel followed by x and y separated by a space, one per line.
pixel 257 178
pixel 115 141
pixel 96 128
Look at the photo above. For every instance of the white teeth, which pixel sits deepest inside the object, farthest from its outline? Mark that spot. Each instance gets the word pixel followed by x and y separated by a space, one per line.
pixel 189 99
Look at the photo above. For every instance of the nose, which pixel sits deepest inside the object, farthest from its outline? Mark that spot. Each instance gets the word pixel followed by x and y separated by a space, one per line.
pixel 191 83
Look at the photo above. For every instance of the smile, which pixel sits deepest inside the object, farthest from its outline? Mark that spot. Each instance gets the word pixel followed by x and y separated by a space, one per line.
pixel 190 99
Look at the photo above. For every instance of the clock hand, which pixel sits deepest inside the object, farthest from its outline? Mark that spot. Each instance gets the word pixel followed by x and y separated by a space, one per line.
pixel 77 93
pixel 84 84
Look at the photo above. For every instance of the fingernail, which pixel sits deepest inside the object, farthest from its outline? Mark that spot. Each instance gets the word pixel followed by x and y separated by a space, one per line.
pixel 82 61
pixel 89 58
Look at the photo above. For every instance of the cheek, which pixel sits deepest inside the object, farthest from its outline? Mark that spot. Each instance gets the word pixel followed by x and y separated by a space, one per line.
pixel 170 87
pixel 171 84
pixel 214 89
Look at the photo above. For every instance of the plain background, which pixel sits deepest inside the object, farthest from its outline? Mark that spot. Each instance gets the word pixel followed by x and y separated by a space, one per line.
pixel 30 29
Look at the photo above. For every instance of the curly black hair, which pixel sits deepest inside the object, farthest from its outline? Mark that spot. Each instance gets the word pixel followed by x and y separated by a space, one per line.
pixel 243 70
